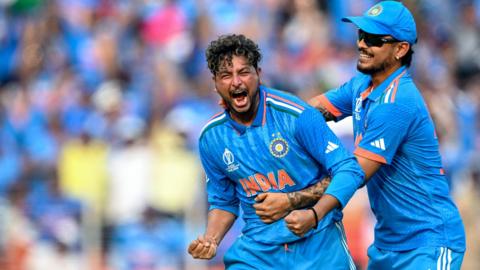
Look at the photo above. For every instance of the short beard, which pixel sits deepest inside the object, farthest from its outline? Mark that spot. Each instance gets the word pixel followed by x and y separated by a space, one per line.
pixel 249 114
pixel 373 70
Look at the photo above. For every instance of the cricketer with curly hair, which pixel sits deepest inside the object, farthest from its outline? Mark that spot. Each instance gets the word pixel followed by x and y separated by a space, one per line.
pixel 263 142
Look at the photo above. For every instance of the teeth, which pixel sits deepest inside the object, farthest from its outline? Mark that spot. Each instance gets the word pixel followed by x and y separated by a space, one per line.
pixel 365 55
pixel 239 93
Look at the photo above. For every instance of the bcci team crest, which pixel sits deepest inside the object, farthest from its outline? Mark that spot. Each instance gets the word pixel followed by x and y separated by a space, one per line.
pixel 278 147
pixel 375 10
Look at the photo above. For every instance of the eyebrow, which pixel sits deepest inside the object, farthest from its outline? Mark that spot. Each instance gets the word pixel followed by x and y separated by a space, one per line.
pixel 224 69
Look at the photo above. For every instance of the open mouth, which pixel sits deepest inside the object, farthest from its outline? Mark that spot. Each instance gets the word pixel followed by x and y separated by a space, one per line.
pixel 240 97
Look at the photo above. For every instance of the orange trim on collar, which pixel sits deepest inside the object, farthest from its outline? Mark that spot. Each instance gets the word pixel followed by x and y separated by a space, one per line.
pixel 367 92
pixel 396 81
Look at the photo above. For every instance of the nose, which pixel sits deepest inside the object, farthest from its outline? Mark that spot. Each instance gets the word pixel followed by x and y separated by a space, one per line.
pixel 361 44
pixel 236 82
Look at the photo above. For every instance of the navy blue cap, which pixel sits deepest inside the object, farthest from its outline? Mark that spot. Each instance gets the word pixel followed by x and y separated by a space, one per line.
pixel 387 18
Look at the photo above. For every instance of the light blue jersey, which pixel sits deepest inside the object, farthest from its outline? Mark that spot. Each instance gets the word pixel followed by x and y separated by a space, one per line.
pixel 409 194
pixel 287 148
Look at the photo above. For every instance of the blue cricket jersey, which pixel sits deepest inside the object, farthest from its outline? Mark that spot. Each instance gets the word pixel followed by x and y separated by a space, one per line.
pixel 409 194
pixel 287 148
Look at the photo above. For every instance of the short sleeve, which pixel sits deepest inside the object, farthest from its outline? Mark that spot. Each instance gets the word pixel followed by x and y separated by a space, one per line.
pixel 386 128
pixel 220 189
pixel 317 138
pixel 338 101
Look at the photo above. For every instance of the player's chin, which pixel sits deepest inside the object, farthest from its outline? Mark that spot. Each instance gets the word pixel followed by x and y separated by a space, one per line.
pixel 365 68
pixel 241 109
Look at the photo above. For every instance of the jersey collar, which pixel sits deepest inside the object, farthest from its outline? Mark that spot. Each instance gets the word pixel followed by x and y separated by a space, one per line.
pixel 259 118
pixel 378 91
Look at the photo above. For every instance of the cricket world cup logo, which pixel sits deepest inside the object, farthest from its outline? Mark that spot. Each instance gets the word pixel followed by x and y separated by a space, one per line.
pixel 228 157
pixel 229 160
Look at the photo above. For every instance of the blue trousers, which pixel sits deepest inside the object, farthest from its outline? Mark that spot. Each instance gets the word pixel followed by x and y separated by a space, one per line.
pixel 434 258
pixel 326 249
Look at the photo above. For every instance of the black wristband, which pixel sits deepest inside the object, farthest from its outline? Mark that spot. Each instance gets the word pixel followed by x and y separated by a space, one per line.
pixel 316 216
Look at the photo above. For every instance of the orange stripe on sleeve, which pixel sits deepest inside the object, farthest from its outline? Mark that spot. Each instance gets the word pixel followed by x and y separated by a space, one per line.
pixel 329 106
pixel 369 155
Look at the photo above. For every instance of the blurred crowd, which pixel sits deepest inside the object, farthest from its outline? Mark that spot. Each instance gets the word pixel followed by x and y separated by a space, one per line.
pixel 102 102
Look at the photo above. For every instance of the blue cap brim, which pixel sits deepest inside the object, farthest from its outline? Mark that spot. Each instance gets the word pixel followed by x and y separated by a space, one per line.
pixel 367 25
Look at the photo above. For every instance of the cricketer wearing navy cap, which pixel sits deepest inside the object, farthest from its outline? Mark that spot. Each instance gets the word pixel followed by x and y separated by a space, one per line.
pixel 418 225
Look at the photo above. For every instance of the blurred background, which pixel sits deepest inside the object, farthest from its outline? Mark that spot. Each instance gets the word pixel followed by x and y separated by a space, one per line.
pixel 102 102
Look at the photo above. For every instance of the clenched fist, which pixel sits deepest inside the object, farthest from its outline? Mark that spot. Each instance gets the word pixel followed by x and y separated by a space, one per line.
pixel 300 221
pixel 203 248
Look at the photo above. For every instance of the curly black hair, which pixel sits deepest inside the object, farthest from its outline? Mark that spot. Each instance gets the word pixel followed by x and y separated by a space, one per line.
pixel 226 46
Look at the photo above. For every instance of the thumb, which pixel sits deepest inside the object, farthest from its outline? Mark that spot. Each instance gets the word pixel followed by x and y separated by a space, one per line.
pixel 291 217
pixel 288 218
pixel 260 197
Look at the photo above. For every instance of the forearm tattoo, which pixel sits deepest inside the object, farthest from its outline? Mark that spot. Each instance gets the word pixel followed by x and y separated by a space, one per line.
pixel 308 196
pixel 326 114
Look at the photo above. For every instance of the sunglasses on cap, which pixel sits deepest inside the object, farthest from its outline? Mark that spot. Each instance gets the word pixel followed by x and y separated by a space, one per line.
pixel 372 40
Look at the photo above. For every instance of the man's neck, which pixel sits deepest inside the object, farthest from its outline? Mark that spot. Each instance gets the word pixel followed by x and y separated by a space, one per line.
pixel 380 77
pixel 245 119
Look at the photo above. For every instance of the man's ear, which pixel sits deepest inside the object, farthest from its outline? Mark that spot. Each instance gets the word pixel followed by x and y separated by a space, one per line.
pixel 402 50
pixel 259 74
